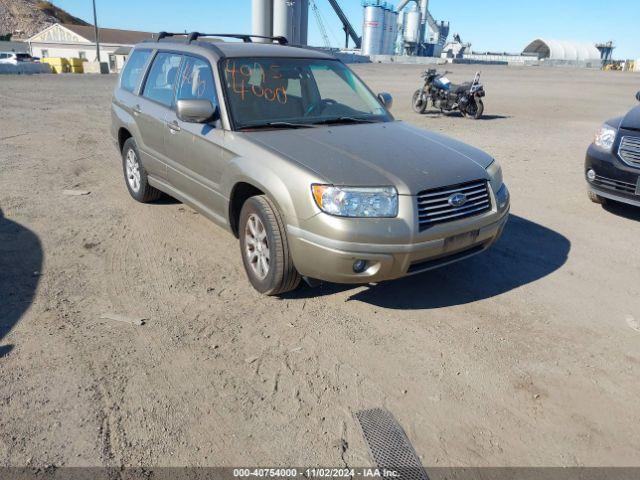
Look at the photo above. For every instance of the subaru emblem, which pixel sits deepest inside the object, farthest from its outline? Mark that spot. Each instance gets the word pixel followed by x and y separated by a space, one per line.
pixel 457 200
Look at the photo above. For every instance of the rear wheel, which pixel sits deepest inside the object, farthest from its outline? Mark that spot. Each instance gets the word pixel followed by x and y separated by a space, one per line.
pixel 264 248
pixel 595 198
pixel 135 175
pixel 419 102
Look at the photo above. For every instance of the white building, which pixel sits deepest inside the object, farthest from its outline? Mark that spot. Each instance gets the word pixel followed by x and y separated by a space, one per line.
pixel 79 41
pixel 562 50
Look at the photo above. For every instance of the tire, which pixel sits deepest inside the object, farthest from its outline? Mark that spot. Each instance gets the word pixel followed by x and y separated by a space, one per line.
pixel 475 113
pixel 417 105
pixel 595 198
pixel 135 176
pixel 262 233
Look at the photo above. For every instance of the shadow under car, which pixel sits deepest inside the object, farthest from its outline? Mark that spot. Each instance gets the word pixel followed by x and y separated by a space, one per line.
pixel 525 253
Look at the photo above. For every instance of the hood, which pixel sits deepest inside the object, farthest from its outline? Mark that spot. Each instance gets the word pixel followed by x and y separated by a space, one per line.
pixel 631 120
pixel 614 122
pixel 379 154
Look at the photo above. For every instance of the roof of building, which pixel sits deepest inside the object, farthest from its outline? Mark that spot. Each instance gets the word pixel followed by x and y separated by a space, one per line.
pixel 17 47
pixel 563 50
pixel 109 35
pixel 122 51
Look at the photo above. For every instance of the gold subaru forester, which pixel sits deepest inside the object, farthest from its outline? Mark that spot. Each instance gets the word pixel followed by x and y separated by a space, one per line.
pixel 289 150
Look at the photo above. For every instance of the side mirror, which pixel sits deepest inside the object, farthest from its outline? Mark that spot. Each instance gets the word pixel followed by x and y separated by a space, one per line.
pixel 638 96
pixel 196 111
pixel 386 99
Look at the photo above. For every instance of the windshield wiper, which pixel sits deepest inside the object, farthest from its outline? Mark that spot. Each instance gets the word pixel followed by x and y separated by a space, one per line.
pixel 338 120
pixel 276 125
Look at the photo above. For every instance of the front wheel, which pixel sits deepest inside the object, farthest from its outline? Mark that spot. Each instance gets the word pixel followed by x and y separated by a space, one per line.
pixel 264 248
pixel 474 110
pixel 419 102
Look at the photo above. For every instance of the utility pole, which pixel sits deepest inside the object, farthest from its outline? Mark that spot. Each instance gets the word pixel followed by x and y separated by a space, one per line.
pixel 95 25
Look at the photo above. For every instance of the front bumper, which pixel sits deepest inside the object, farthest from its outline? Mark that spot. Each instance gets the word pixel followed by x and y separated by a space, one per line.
pixel 614 179
pixel 332 258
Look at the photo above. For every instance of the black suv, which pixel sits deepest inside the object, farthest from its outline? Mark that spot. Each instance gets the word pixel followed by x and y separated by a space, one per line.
pixel 612 166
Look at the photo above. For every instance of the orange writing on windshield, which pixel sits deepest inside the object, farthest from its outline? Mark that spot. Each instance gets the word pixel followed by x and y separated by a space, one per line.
pixel 242 82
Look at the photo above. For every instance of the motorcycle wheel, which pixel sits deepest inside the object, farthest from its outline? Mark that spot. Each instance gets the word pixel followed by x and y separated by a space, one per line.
pixel 419 104
pixel 474 110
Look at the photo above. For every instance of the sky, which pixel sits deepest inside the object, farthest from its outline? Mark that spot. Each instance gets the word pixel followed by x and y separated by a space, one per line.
pixel 490 25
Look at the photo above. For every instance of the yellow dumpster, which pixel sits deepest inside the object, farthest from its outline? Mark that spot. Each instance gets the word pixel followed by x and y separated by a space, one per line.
pixel 64 65
pixel 58 64
pixel 75 62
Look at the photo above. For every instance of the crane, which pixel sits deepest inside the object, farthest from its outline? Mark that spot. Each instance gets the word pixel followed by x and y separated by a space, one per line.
pixel 348 28
pixel 321 27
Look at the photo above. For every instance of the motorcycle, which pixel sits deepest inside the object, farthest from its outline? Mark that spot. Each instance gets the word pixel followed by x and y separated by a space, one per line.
pixel 447 97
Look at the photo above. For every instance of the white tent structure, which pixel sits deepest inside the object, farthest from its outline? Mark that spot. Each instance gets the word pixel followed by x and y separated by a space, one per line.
pixel 563 50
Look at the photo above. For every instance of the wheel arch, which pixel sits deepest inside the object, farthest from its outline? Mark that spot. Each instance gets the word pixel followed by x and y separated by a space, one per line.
pixel 284 182
pixel 240 193
pixel 123 135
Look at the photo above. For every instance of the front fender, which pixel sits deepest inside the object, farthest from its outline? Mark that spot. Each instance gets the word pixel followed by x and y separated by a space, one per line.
pixel 289 188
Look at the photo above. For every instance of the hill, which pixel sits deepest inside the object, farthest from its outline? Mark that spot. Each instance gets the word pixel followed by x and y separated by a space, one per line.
pixel 24 18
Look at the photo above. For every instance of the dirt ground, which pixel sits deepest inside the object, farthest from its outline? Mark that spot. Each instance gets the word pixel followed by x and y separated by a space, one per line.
pixel 527 355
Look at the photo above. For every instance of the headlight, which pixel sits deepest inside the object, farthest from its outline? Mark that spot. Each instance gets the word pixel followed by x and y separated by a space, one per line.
pixel 363 202
pixel 495 176
pixel 605 137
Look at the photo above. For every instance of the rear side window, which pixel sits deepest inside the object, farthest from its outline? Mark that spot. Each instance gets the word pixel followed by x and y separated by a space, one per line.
pixel 134 69
pixel 162 78
pixel 196 81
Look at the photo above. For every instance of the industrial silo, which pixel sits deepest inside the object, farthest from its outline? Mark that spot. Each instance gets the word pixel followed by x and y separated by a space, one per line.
pixel 412 26
pixel 262 18
pixel 384 45
pixel 389 25
pixel 290 19
pixel 393 32
pixel 373 29
pixel 286 18
pixel 304 22
pixel 283 18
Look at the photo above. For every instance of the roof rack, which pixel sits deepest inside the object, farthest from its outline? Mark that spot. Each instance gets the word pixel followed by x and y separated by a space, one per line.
pixel 162 35
pixel 245 38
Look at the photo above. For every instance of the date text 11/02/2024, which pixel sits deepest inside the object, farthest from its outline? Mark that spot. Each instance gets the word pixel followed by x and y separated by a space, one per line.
pixel 251 79
pixel 316 472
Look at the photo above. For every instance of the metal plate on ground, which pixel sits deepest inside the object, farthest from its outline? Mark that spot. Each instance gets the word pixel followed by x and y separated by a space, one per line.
pixel 389 445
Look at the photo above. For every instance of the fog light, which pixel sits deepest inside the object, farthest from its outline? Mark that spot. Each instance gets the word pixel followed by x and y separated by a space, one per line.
pixel 359 266
pixel 591 175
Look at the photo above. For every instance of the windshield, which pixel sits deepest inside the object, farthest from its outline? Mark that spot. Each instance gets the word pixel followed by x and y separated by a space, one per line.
pixel 284 92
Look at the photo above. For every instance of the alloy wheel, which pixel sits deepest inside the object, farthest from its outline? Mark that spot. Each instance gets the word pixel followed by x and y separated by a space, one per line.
pixel 257 246
pixel 132 167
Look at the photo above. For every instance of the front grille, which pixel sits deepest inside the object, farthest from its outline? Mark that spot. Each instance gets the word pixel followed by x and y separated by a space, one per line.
pixel 629 151
pixel 617 185
pixel 434 206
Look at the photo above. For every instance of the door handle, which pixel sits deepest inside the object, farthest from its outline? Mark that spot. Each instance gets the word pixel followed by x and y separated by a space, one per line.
pixel 137 110
pixel 173 127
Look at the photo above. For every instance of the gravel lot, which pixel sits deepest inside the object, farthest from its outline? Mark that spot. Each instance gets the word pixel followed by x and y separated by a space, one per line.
pixel 524 356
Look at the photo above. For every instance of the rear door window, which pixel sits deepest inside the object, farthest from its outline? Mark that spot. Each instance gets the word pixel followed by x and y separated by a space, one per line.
pixel 162 77
pixel 133 70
